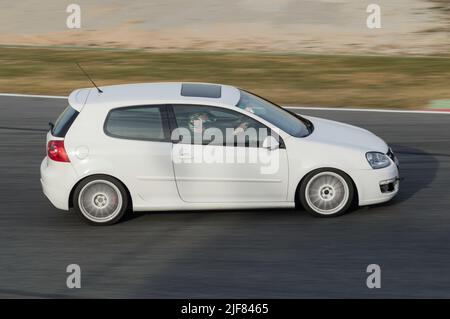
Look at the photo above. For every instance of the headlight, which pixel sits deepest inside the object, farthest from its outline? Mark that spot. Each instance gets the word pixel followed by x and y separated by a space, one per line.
pixel 377 160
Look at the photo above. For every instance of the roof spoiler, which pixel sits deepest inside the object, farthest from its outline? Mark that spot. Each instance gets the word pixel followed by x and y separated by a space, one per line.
pixel 78 98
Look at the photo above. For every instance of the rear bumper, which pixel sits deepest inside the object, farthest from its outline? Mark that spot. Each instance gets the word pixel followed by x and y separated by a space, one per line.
pixel 369 184
pixel 57 180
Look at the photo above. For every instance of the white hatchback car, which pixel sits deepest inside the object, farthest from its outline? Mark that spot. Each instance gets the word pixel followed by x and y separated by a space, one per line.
pixel 125 148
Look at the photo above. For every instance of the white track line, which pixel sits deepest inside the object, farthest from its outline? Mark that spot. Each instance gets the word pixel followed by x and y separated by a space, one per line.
pixel 34 96
pixel 364 110
pixel 288 107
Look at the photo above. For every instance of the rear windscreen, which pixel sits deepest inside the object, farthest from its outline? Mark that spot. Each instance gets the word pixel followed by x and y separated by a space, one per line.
pixel 64 122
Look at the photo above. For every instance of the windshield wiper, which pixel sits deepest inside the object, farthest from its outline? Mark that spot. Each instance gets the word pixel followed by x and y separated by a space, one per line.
pixel 309 125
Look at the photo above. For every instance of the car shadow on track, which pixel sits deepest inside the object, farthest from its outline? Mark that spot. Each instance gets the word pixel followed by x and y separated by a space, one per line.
pixel 264 212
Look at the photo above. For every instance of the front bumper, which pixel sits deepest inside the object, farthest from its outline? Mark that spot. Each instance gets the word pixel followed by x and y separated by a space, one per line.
pixel 377 185
pixel 57 180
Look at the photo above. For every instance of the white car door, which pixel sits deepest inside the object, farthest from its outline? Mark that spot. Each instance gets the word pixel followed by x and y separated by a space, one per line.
pixel 230 169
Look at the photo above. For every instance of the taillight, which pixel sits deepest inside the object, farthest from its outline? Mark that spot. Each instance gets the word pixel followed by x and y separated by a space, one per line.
pixel 57 152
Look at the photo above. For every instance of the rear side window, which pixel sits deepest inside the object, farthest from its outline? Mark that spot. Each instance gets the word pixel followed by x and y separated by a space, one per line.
pixel 137 123
pixel 64 122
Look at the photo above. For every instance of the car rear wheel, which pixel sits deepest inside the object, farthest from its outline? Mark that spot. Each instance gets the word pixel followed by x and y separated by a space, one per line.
pixel 100 200
pixel 326 193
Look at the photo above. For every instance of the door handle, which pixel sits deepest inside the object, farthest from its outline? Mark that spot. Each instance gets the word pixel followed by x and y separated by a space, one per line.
pixel 185 156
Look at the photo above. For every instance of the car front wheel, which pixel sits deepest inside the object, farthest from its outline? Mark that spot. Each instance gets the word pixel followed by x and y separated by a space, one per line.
pixel 326 192
pixel 100 200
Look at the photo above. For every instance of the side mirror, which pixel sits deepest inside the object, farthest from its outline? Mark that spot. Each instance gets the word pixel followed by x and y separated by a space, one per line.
pixel 270 143
pixel 175 139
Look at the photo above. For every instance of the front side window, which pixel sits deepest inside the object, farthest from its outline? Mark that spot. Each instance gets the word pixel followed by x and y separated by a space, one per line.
pixel 274 114
pixel 199 124
pixel 140 123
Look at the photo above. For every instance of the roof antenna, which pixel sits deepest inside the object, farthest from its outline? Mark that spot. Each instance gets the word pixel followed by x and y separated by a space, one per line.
pixel 87 75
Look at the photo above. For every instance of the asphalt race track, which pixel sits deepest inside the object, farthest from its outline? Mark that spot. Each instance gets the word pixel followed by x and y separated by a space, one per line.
pixel 231 254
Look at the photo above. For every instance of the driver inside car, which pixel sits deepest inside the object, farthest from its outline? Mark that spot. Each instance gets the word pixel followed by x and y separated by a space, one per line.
pixel 199 122
pixel 244 125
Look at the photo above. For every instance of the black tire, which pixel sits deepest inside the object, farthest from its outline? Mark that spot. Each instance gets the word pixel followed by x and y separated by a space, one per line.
pixel 114 197
pixel 308 203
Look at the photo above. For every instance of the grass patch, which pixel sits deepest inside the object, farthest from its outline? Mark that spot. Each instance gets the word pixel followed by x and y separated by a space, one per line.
pixel 290 79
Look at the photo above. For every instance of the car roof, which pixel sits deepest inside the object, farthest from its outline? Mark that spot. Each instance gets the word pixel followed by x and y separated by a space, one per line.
pixel 154 93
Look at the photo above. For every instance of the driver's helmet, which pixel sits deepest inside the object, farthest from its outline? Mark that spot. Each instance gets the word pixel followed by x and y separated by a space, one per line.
pixel 197 121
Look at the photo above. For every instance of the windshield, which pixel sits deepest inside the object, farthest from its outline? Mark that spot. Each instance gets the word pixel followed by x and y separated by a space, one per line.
pixel 290 123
